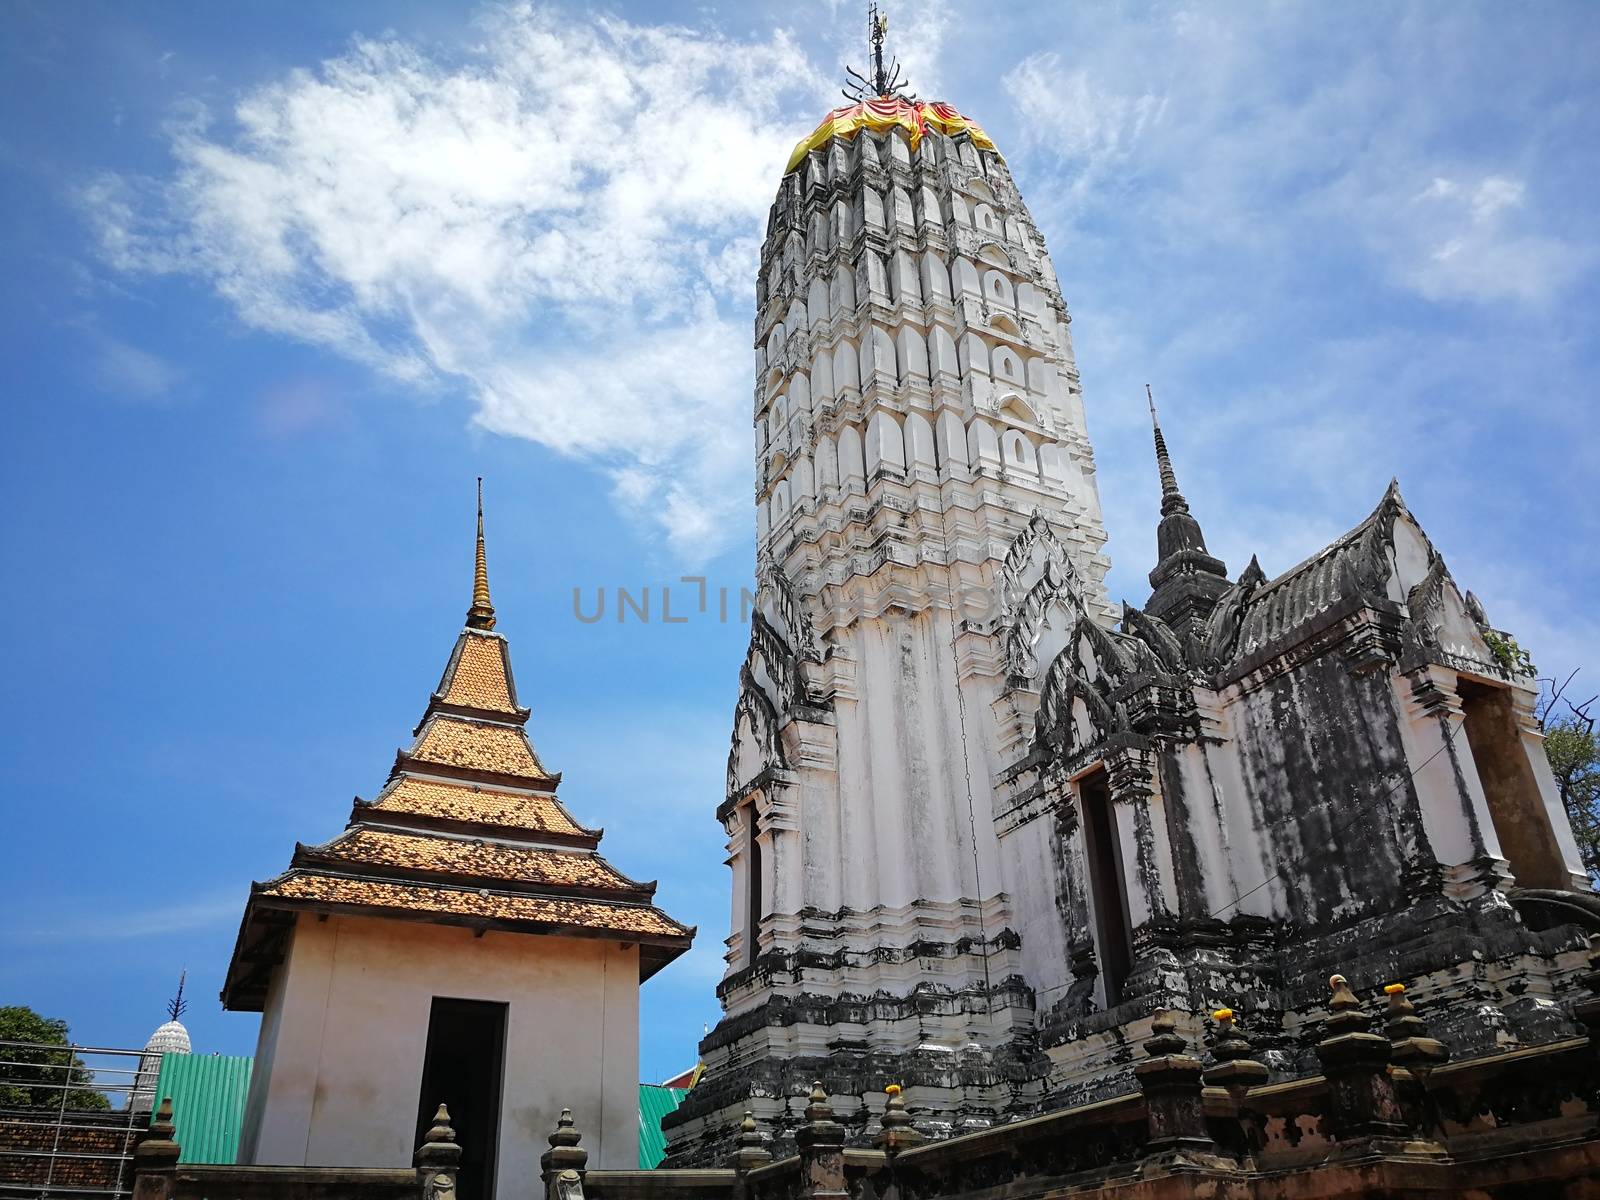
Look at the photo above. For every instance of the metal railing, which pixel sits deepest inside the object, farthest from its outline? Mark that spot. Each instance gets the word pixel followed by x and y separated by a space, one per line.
pixel 68 1122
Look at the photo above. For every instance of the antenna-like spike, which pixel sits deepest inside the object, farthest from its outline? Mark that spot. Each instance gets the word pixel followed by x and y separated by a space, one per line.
pixel 177 1004
pixel 883 81
pixel 481 614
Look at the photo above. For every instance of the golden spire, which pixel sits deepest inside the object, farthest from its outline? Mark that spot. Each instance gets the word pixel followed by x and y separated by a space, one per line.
pixel 481 614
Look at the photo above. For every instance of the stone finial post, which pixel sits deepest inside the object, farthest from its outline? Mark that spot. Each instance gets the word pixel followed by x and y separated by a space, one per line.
pixel 1412 1053
pixel 439 1147
pixel 156 1156
pixel 563 1156
pixel 1411 1049
pixel 821 1144
pixel 897 1133
pixel 438 1158
pixel 1356 1063
pixel 750 1146
pixel 750 1152
pixel 1171 1082
pixel 1235 1072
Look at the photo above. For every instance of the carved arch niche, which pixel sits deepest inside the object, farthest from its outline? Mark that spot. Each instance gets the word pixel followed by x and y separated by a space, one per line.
pixel 1041 601
pixel 756 748
pixel 772 681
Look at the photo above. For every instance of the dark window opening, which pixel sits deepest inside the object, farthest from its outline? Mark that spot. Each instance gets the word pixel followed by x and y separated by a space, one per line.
pixel 1108 888
pixel 752 882
pixel 461 1068
pixel 1521 821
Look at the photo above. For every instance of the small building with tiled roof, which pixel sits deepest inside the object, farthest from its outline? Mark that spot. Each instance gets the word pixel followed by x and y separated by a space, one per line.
pixel 461 942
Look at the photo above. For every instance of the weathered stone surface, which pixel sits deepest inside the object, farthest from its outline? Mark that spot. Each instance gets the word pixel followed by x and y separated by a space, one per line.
pixel 981 830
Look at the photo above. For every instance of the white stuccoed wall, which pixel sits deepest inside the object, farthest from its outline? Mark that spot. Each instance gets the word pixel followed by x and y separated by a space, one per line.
pixel 339 1061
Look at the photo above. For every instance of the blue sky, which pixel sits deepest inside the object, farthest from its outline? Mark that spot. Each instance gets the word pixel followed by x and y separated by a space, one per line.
pixel 277 281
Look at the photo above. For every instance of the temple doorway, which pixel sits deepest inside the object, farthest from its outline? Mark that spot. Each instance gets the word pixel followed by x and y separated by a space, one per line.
pixel 461 1068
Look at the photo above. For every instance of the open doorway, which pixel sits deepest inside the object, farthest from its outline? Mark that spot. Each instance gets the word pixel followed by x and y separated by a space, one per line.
pixel 1108 887
pixel 1521 821
pixel 461 1068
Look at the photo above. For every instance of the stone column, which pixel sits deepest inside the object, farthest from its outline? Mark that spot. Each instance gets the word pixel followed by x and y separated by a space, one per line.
pixel 1356 1063
pixel 1171 1082
pixel 1454 810
pixel 821 1144
pixel 1131 780
pixel 1083 964
pixel 1146 868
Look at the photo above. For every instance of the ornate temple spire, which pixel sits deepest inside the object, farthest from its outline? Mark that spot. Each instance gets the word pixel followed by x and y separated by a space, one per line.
pixel 1171 498
pixel 481 614
pixel 1187 580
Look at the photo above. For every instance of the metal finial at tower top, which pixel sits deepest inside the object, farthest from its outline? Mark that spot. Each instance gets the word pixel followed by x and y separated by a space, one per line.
pixel 1171 498
pixel 177 1004
pixel 885 81
pixel 481 614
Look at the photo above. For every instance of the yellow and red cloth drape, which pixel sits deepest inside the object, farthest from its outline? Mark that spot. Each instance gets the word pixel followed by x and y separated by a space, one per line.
pixel 916 117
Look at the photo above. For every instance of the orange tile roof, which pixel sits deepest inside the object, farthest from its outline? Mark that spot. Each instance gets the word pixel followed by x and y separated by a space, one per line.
pixel 487 860
pixel 599 916
pixel 484 806
pixel 478 745
pixel 478 678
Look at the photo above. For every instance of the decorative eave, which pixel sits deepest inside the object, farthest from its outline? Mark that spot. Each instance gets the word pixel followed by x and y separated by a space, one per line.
pixel 376 852
pixel 405 764
pixel 477 750
pixel 536 811
pixel 269 918
pixel 367 812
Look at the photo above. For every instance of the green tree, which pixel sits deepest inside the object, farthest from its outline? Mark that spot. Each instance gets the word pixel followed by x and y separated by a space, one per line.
pixel 28 1072
pixel 1573 747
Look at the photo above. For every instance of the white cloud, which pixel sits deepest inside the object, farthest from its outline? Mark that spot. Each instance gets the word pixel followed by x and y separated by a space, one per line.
pixel 564 220
pixel 131 373
pixel 1459 242
pixel 1094 127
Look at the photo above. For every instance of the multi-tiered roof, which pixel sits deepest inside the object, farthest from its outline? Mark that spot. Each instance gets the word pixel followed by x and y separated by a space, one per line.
pixel 467 831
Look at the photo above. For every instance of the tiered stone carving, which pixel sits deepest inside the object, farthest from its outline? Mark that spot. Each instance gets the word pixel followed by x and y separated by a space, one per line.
pixel 926 500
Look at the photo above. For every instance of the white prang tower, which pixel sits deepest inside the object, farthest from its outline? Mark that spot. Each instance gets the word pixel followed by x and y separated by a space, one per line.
pixel 925 491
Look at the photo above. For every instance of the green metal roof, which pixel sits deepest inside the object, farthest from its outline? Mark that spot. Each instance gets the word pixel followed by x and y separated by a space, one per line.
pixel 654 1103
pixel 208 1093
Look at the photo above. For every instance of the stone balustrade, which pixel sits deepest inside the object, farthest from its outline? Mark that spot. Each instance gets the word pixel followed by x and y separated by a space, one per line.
pixel 1391 1114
